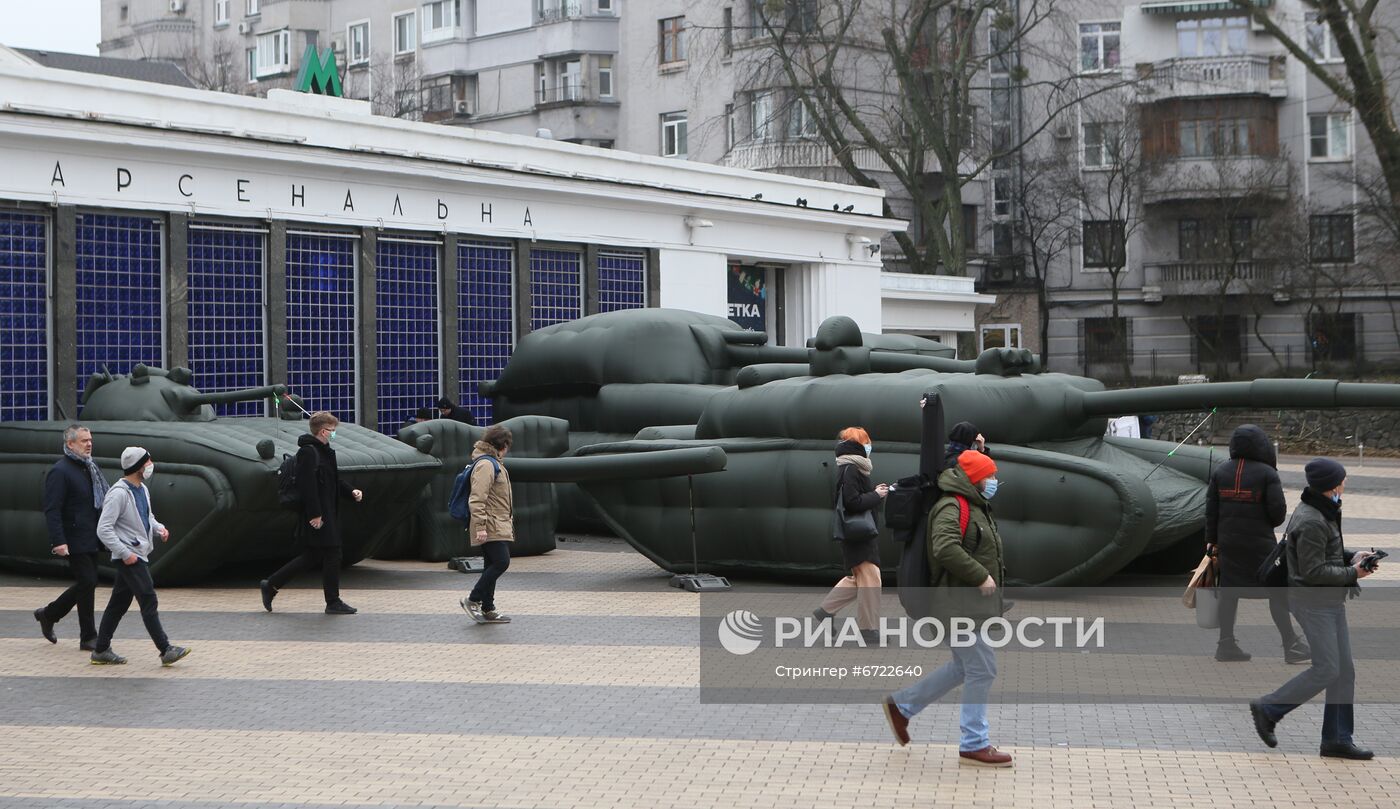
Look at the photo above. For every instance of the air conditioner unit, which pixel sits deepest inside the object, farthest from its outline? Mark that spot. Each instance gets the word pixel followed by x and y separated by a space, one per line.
pixel 1064 131
pixel 1000 274
pixel 1151 294
pixel 462 108
pixel 177 6
pixel 337 46
pixel 245 28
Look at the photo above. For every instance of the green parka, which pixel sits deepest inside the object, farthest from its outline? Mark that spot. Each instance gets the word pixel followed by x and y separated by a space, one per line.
pixel 964 560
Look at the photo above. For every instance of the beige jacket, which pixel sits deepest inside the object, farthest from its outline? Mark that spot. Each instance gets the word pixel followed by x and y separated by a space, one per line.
pixel 491 504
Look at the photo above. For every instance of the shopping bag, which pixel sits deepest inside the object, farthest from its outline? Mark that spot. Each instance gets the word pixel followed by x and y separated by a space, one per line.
pixel 1202 576
pixel 1208 607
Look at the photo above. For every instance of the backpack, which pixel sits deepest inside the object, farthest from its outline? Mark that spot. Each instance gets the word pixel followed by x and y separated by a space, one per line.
pixel 287 492
pixel 457 504
pixel 1274 571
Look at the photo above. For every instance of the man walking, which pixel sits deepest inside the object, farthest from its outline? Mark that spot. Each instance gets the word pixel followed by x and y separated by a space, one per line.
pixel 492 521
pixel 1321 574
pixel 965 561
pixel 128 527
pixel 318 481
pixel 73 492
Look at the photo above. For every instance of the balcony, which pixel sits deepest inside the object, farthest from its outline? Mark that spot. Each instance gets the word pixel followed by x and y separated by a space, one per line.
pixel 1212 278
pixel 1213 178
pixel 1210 76
pixel 796 154
pixel 569 93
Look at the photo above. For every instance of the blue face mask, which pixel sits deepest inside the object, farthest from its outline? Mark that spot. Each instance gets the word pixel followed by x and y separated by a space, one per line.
pixel 868 449
pixel 1337 498
pixel 332 435
pixel 989 488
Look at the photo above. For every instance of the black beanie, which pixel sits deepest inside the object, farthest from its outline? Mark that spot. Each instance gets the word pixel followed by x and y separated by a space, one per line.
pixel 1324 474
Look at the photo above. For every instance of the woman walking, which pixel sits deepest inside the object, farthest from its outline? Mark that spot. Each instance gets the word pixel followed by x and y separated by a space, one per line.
pixel 492 522
pixel 860 556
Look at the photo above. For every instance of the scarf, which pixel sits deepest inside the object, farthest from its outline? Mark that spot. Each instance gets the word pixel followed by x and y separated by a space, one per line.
pixel 858 461
pixel 99 483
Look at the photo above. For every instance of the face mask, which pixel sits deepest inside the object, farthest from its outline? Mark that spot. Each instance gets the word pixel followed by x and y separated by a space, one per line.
pixel 332 435
pixel 1337 498
pixel 148 470
pixel 989 489
pixel 868 448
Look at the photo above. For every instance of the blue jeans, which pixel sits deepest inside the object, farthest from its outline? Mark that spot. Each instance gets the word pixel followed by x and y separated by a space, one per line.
pixel 974 668
pixel 1331 671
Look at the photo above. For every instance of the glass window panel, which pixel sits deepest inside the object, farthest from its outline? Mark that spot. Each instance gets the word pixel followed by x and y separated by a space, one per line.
pixel 119 294
pixel 556 287
pixel 24 321
pixel 485 319
pixel 408 373
pixel 321 322
pixel 622 280
pixel 226 335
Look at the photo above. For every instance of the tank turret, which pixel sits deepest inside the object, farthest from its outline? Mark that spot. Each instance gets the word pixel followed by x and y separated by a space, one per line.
pixel 153 394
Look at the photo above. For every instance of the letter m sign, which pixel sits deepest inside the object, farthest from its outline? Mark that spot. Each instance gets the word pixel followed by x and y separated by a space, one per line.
pixel 318 73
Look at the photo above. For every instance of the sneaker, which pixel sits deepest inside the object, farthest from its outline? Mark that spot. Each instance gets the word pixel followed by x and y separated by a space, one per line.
pixel 986 757
pixel 340 608
pixel 45 625
pixel 1297 652
pixel 1227 651
pixel 89 645
pixel 107 658
pixel 1263 725
pixel 268 593
pixel 1347 750
pixel 173 655
pixel 899 723
pixel 473 608
pixel 495 617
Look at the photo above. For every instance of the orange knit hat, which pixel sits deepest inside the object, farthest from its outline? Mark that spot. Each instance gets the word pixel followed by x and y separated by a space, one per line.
pixel 976 465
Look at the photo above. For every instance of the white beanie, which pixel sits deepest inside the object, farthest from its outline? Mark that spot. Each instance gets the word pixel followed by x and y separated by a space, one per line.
pixel 133 458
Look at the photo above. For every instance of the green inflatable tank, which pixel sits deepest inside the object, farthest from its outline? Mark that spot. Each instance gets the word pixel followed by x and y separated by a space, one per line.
pixel 1074 507
pixel 216 481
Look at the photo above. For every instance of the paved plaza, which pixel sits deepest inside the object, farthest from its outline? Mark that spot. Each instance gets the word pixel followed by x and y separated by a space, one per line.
pixel 591 698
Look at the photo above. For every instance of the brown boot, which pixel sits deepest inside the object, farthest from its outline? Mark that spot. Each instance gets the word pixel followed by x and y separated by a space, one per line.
pixel 899 723
pixel 986 757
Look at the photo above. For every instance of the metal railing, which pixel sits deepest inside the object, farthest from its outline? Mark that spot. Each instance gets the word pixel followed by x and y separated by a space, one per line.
pixel 559 10
pixel 569 92
pixel 797 154
pixel 1216 75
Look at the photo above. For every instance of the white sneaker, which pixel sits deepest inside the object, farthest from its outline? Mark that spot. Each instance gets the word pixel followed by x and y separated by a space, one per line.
pixel 495 617
pixel 473 609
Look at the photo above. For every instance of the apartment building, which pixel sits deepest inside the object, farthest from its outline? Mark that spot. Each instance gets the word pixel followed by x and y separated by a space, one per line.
pixel 1221 191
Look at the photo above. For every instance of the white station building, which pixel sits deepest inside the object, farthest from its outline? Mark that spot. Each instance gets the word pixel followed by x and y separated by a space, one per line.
pixel 375 264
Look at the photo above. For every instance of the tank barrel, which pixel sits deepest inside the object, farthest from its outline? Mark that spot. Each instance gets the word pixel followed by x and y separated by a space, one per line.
pixel 189 400
pixel 1294 394
pixel 886 362
pixel 658 463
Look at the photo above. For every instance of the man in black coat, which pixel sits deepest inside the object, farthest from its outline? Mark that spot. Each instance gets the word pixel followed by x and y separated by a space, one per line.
pixel 447 410
pixel 1244 502
pixel 73 493
pixel 963 437
pixel 318 481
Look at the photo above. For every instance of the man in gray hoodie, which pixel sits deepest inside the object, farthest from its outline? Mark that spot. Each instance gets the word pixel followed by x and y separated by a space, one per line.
pixel 128 527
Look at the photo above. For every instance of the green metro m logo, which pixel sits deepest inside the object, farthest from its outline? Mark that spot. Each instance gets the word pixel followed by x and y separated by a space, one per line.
pixel 318 73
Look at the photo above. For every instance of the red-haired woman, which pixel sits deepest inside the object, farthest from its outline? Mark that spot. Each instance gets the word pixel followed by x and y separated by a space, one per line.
pixel 861 557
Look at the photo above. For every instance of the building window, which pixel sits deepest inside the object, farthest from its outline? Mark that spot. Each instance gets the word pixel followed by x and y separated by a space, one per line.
pixel 761 116
pixel 1002 237
pixel 970 228
pixel 321 325
pixel 1104 244
pixel 226 300
pixel 485 319
pixel 542 82
pixel 1101 144
pixel 252 59
pixel 1105 340
pixel 406 328
pixel 440 19
pixel 357 39
pixel 605 6
pixel 405 32
pixel 605 77
pixel 1331 239
pixel 1333 337
pixel 1006 335
pixel 221 12
pixel 727 37
pixel 622 280
pixel 252 8
pixel 730 132
pixel 1321 45
pixel 1213 36
pixel 1329 136
pixel 1218 340
pixel 556 287
pixel 1214 137
pixel 801 124
pixel 1204 240
pixel 1001 195
pixel 672 40
pixel 274 53
pixel 571 81
pixel 1000 47
pixel 24 328
pixel 1099 46
pixel 120 263
pixel 673 134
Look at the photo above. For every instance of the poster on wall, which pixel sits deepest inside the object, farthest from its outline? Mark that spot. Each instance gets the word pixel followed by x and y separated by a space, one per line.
pixel 748 297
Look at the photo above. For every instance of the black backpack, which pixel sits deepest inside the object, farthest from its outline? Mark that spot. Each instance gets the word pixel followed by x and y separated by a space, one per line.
pixel 287 492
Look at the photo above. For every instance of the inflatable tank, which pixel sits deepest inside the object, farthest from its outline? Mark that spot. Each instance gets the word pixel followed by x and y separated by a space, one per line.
pixel 216 478
pixel 1074 507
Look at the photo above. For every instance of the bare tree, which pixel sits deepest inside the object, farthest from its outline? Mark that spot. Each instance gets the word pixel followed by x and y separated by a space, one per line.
pixel 1046 220
pixel 902 80
pixel 1366 45
pixel 395 88
pixel 219 68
